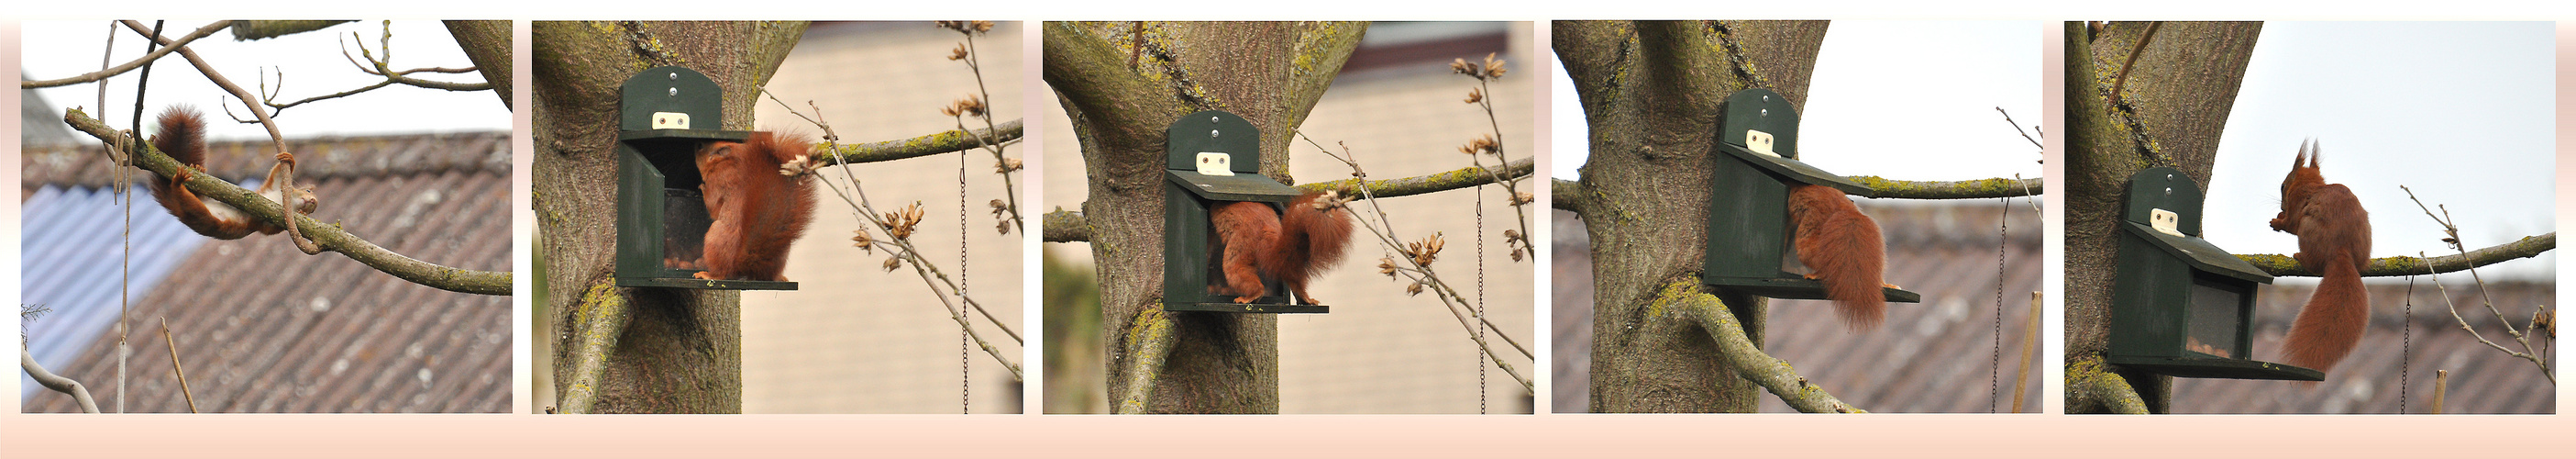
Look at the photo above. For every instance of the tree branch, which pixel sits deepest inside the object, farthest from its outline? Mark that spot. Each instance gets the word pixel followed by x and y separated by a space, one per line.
pixel 1565 195
pixel 1746 358
pixel 58 383
pixel 329 237
pixel 2527 247
pixel 379 67
pixel 943 142
pixel 256 30
pixel 603 316
pixel 2090 382
pixel 1069 226
pixel 1087 72
pixel 218 79
pixel 201 32
pixel 1149 342
pixel 1064 226
pixel 487 44
pixel 1970 189
pixel 1465 177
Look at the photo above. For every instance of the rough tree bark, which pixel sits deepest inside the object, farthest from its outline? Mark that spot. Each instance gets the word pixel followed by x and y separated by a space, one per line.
pixel 487 43
pixel 2170 111
pixel 681 351
pixel 1651 93
pixel 1122 84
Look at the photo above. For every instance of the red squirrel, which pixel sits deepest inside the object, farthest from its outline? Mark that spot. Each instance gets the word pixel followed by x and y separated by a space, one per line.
pixel 1291 248
pixel 183 137
pixel 757 210
pixel 1841 249
pixel 2334 242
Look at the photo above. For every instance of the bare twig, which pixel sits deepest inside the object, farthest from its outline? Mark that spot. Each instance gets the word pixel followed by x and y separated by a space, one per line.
pixel 2034 143
pixel 57 383
pixel 901 247
pixel 2441 388
pixel 1419 270
pixel 2453 239
pixel 1002 164
pixel 1485 73
pixel 2029 351
pixel 156 54
pixel 382 67
pixel 175 369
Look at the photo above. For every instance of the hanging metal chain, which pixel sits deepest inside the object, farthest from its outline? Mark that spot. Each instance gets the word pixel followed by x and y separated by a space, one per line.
pixel 1482 399
pixel 2406 348
pixel 1994 368
pixel 965 367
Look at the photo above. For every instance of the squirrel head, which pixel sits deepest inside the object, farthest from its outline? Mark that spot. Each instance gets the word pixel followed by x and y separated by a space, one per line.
pixel 2303 181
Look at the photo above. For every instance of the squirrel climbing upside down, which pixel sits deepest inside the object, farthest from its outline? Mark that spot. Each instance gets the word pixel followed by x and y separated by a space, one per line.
pixel 183 137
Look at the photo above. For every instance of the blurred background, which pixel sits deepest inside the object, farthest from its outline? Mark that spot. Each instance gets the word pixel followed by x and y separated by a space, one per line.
pixel 855 338
pixel 1397 106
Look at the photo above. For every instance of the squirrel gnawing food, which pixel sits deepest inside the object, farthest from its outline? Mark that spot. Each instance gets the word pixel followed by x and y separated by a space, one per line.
pixel 757 210
pixel 2334 242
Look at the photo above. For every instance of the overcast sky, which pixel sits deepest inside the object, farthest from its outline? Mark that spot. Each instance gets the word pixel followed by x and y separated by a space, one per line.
pixel 2461 112
pixel 312 64
pixel 1912 100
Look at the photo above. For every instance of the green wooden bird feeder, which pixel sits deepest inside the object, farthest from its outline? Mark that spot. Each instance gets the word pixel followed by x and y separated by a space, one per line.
pixel 1213 158
pixel 664 115
pixel 2179 305
pixel 1748 246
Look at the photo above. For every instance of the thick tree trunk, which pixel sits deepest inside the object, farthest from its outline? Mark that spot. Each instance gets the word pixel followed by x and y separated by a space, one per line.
pixel 681 351
pixel 487 43
pixel 2170 111
pixel 1651 93
pixel 1122 85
